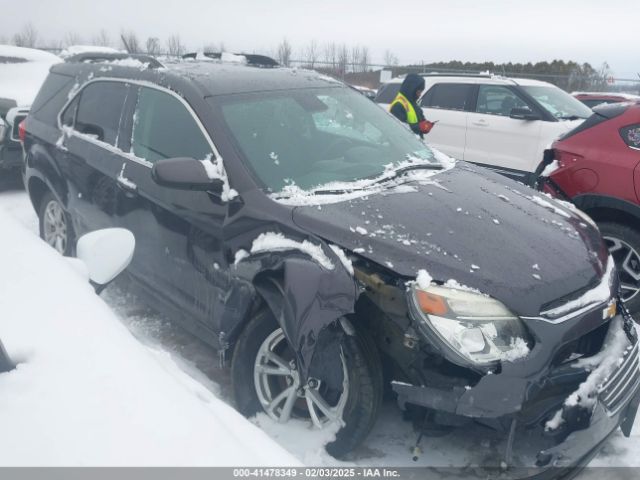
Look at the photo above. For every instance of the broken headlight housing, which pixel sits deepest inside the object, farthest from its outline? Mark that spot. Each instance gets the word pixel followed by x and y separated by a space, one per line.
pixel 473 328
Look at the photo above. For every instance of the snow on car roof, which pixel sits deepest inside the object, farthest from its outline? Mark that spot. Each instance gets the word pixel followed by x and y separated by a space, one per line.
pixel 86 392
pixel 21 80
pixel 76 49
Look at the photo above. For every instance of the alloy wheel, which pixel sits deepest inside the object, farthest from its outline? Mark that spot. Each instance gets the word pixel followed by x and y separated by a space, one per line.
pixel 628 263
pixel 280 390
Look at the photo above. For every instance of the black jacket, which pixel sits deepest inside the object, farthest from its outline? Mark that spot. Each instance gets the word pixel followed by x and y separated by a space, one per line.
pixel 411 84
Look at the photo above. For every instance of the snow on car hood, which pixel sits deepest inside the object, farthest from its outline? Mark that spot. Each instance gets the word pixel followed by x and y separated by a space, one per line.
pixel 473 226
pixel 86 392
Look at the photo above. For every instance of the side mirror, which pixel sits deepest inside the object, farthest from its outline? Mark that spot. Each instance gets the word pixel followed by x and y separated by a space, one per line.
pixel 184 174
pixel 105 253
pixel 523 114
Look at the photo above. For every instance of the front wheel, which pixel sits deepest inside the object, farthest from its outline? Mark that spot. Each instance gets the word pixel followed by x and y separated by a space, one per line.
pixel 266 379
pixel 623 243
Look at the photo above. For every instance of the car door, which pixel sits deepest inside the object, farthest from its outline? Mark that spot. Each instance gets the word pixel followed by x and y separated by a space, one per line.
pixel 496 139
pixel 88 155
pixel 179 233
pixel 447 104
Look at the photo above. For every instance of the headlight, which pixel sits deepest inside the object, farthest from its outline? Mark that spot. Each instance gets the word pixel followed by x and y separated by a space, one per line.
pixel 472 327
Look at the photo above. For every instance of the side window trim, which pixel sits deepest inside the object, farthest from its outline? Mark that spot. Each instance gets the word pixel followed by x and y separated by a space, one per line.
pixel 472 98
pixel 138 83
pixel 125 129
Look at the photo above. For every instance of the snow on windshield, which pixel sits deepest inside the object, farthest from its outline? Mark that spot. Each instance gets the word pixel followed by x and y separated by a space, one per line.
pixel 298 142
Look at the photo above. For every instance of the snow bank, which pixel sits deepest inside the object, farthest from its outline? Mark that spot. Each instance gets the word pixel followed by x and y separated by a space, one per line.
pixel 85 392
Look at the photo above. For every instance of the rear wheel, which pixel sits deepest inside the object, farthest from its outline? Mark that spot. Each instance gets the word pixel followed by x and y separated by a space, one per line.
pixel 55 225
pixel 266 379
pixel 623 243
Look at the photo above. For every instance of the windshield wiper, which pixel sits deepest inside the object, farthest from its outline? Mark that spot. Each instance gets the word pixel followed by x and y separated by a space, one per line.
pixel 394 174
pixel 571 117
pixel 399 171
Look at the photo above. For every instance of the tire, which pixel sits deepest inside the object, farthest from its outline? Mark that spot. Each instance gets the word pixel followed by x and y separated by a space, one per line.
pixel 360 361
pixel 624 245
pixel 55 225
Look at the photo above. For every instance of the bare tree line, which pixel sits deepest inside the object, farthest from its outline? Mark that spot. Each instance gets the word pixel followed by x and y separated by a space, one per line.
pixel 336 58
pixel 333 57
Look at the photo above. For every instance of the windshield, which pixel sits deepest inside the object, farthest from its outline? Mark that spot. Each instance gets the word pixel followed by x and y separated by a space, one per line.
pixel 558 102
pixel 315 137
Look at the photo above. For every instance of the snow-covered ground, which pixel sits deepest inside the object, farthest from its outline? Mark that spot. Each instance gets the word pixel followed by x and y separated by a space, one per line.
pixel 390 443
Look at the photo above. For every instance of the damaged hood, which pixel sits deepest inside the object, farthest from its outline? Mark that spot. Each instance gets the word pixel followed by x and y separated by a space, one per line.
pixel 473 226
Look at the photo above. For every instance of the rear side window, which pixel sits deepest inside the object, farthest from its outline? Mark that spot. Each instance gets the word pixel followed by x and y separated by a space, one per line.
pixel 164 128
pixel 52 96
pixel 387 92
pixel 448 96
pixel 100 109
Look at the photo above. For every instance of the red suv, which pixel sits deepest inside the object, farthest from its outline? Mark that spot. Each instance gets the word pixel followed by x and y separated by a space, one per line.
pixel 593 99
pixel 597 167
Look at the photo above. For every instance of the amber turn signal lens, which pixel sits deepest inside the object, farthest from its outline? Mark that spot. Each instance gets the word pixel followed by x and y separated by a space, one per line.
pixel 430 303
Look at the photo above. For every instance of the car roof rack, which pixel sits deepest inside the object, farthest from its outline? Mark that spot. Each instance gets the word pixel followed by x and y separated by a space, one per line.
pixel 252 58
pixel 454 74
pixel 104 57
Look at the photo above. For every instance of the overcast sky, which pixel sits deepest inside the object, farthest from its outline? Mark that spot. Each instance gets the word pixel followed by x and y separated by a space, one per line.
pixel 591 31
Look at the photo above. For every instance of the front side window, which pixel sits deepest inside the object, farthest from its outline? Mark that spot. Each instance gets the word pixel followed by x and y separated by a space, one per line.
pixel 558 102
pixel 317 137
pixel 164 128
pixel 448 96
pixel 99 110
pixel 498 100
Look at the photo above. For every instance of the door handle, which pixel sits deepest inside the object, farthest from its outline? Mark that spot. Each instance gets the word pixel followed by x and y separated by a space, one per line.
pixel 480 123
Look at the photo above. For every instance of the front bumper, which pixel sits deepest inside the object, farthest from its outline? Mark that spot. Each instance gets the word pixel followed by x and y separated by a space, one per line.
pixel 518 409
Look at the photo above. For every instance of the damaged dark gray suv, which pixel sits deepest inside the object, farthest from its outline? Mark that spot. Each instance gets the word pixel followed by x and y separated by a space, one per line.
pixel 332 256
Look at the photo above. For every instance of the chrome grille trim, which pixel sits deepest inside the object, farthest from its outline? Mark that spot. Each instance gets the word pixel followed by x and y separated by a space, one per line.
pixel 616 391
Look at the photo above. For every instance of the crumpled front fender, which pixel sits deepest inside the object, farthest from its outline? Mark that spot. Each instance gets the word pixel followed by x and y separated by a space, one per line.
pixel 305 298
